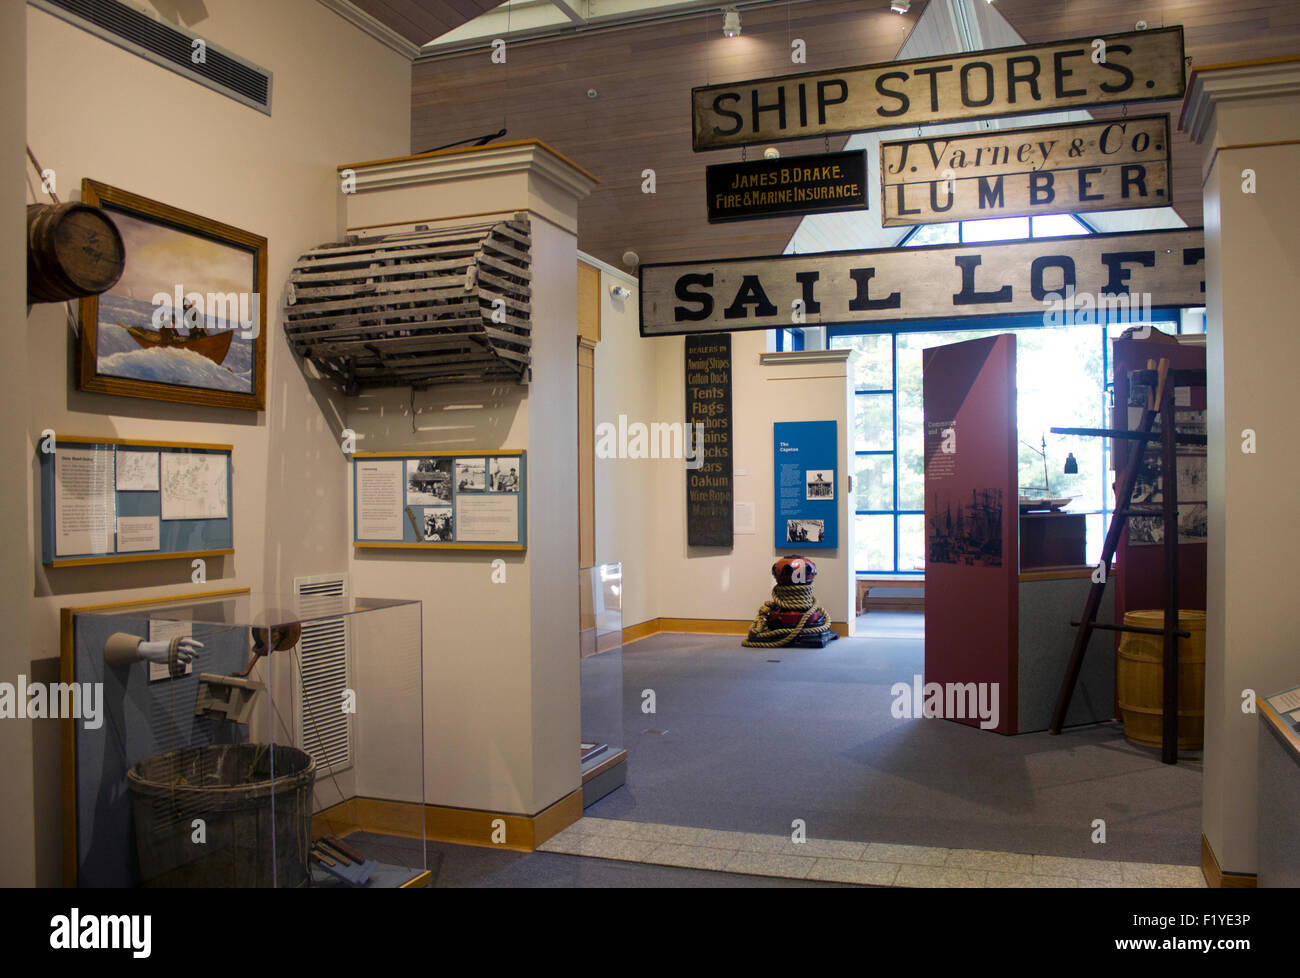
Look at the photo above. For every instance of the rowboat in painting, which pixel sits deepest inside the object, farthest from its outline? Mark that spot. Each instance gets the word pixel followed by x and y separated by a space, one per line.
pixel 214 346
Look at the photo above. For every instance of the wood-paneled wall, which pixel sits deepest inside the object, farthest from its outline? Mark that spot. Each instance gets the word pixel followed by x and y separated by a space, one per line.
pixel 640 117
pixel 1214 32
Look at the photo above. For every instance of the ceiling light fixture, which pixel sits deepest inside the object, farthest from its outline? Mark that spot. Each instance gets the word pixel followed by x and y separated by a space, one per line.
pixel 900 6
pixel 730 22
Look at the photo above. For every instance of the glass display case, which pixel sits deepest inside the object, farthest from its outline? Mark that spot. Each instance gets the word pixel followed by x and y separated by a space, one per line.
pixel 604 761
pixel 247 739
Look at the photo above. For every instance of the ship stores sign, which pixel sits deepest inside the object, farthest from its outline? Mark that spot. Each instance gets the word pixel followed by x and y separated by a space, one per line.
pixel 1105 70
pixel 1161 268
pixel 799 185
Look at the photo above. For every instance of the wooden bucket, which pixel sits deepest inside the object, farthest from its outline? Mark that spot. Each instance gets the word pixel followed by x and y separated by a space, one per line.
pixel 1141 680
pixel 73 250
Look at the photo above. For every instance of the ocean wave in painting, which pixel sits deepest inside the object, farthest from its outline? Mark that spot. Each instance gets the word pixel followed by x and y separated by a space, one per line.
pixel 172 366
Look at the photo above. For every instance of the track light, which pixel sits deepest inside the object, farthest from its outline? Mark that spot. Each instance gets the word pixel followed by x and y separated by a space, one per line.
pixel 731 22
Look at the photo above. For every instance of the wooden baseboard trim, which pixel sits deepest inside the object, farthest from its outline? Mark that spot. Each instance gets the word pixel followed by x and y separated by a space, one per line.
pixel 462 826
pixel 701 626
pixel 1217 878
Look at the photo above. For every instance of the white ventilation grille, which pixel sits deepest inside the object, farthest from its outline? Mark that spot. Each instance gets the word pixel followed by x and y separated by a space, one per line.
pixel 324 730
pixel 169 46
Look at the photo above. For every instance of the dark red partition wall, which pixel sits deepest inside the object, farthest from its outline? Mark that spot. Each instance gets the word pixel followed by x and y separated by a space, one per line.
pixel 971 532
pixel 1139 570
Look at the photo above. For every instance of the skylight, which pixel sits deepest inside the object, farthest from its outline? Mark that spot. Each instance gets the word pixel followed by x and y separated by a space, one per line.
pixel 543 18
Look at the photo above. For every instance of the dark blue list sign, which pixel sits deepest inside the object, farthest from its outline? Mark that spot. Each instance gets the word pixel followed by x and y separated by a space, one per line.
pixel 709 489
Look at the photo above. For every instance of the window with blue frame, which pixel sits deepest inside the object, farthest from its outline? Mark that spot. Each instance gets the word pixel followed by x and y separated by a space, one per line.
pixel 1062 377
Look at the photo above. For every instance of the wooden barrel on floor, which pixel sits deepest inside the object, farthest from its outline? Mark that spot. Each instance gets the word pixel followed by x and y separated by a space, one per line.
pixel 73 250
pixel 1141 678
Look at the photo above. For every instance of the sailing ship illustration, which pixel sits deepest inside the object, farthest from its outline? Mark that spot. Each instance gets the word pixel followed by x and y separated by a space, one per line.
pixel 214 345
pixel 967 533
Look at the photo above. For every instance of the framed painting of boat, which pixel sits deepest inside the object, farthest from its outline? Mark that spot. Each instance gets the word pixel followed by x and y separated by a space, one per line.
pixel 186 321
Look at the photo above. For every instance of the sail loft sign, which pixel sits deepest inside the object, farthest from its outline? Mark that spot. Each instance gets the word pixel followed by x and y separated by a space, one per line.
pixel 892 284
pixel 1085 166
pixel 1104 70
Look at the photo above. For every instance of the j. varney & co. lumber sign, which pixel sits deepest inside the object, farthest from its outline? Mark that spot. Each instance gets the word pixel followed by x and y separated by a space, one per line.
pixel 1103 70
pixel 1085 166
pixel 891 284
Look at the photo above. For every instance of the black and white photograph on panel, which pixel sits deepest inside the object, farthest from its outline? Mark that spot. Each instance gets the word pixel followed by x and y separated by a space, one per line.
pixel 1145 531
pixel 1191 479
pixel 820 485
pixel 471 474
pixel 805 531
pixel 503 474
pixel 1149 486
pixel 438 527
pixel 966 528
pixel 1193 522
pixel 428 481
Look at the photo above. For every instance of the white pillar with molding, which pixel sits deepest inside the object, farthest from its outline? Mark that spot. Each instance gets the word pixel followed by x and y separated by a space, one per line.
pixel 501 702
pixel 1246 119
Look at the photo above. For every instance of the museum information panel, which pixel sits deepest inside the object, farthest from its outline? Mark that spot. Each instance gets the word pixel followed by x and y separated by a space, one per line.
pixel 805 468
pixel 110 501
pixel 439 500
pixel 972 569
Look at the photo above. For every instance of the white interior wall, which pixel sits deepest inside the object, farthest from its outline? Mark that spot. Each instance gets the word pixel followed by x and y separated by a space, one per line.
pixel 17 816
pixel 628 511
pixel 695 582
pixel 1252 349
pixel 641 503
pixel 95 110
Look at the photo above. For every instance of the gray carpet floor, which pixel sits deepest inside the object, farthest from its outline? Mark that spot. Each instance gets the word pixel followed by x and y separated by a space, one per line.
pixel 747 744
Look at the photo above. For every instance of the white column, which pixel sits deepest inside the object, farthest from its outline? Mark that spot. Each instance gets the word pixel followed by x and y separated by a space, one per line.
pixel 500 659
pixel 1246 119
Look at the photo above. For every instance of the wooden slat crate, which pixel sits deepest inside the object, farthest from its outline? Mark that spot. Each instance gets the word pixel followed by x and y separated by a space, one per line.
pixel 442 306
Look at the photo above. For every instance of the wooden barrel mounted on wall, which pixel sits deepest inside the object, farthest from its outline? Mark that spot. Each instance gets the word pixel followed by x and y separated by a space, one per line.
pixel 1141 680
pixel 73 250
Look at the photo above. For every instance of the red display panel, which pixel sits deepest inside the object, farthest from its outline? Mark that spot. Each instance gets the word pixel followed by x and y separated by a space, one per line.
pixel 971 530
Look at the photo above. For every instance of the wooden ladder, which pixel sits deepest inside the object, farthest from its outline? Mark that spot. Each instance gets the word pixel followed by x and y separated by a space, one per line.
pixel 1160 403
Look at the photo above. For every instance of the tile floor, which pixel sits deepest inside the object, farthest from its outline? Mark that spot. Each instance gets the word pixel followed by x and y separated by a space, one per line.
pixel 874 864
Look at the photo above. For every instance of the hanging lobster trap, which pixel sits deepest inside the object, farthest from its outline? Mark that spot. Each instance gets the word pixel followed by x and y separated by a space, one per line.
pixel 440 306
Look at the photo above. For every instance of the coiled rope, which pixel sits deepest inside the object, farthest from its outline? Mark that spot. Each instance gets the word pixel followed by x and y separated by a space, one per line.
pixel 786 597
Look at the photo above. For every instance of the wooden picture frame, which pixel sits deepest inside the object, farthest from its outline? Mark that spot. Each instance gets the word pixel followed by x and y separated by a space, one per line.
pixel 134 344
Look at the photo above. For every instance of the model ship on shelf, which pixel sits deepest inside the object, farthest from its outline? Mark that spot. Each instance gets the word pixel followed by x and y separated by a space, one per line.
pixel 1046 503
pixel 1032 504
